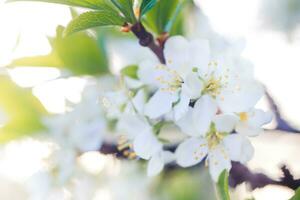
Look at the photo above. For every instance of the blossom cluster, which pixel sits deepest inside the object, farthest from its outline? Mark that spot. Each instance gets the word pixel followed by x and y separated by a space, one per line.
pixel 205 99
pixel 210 97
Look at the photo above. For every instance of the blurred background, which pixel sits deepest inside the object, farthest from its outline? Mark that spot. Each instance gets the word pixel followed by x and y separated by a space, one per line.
pixel 47 85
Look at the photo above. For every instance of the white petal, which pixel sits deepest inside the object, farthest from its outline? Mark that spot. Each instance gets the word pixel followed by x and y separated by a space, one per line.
pixel 192 86
pixel 131 125
pixel 132 83
pixel 181 108
pixel 168 156
pixel 139 101
pixel 245 129
pixel 177 53
pixel 239 148
pixel 199 53
pixel 159 104
pixel 88 137
pixel 240 97
pixel 147 72
pixel 218 161
pixel 186 123
pixel 252 127
pixel 191 152
pixel 146 145
pixel 259 118
pixel 155 165
pixel 203 114
pixel 225 122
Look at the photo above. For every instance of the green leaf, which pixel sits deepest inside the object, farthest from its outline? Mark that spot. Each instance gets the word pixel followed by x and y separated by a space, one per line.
pixel 79 53
pixel 222 186
pixel 23 109
pixel 126 8
pixel 93 19
pixel 163 15
pixel 297 195
pixel 130 71
pixel 92 4
pixel 147 5
pixel 50 60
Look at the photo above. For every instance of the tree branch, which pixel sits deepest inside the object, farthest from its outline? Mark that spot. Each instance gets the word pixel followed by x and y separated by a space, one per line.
pixel 146 40
pixel 241 174
pixel 282 124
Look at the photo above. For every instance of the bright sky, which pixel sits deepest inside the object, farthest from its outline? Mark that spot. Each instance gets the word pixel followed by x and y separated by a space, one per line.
pixel 276 60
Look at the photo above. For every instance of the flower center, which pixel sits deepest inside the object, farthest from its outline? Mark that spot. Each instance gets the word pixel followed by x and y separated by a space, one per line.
pixel 215 80
pixel 170 80
pixel 214 137
pixel 213 86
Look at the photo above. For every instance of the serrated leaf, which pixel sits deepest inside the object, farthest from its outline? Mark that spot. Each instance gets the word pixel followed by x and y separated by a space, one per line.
pixel 130 71
pixel 147 5
pixel 297 195
pixel 92 4
pixel 79 53
pixel 93 19
pixel 126 8
pixel 222 186
pixel 23 109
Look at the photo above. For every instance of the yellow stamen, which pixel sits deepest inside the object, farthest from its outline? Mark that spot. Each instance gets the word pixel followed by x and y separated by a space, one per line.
pixel 243 116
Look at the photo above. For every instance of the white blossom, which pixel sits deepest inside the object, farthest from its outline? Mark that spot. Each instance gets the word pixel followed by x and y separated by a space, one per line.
pixel 190 73
pixel 210 135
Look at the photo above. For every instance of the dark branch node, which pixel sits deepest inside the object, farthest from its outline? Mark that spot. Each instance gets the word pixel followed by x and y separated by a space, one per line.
pixel 146 40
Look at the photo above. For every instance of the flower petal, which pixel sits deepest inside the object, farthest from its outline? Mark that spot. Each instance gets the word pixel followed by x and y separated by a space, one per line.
pixel 146 145
pixel 88 137
pixel 192 86
pixel 139 101
pixel 191 152
pixel 168 156
pixel 176 52
pixel 160 103
pixel 181 107
pixel 155 165
pixel 132 125
pixel 245 129
pixel 240 97
pixel 186 123
pixel 259 118
pixel 239 148
pixel 199 53
pixel 252 127
pixel 148 73
pixel 204 111
pixel 225 122
pixel 218 161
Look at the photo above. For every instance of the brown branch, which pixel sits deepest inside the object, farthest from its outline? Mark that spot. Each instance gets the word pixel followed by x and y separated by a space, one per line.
pixel 241 174
pixel 282 124
pixel 146 40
